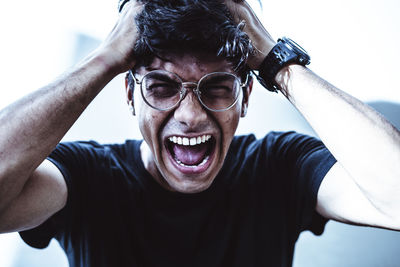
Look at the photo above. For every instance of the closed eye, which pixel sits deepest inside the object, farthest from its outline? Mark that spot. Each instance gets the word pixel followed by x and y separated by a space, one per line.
pixel 162 90
pixel 216 90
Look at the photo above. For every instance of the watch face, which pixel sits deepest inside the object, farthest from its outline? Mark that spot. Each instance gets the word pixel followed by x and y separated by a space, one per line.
pixel 297 48
pixel 293 44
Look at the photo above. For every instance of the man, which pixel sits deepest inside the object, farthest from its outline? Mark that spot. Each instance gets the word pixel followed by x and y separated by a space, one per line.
pixel 192 194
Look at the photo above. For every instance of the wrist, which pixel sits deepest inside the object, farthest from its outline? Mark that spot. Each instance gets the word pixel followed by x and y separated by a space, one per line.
pixel 98 64
pixel 285 76
pixel 109 62
pixel 261 52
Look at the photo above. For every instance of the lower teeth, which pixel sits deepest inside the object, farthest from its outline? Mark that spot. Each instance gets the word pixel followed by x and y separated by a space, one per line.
pixel 193 166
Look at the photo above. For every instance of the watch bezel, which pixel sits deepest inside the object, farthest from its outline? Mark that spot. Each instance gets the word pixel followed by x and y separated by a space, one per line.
pixel 302 54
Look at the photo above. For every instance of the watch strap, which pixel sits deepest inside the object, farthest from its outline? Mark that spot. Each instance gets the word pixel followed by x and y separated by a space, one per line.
pixel 282 54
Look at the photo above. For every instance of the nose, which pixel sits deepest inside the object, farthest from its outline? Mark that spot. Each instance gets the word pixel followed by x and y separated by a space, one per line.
pixel 190 112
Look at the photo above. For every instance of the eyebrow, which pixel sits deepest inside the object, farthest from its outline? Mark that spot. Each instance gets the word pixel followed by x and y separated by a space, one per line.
pixel 164 78
pixel 216 79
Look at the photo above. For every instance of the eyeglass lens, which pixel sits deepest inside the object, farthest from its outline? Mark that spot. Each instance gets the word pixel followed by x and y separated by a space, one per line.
pixel 163 90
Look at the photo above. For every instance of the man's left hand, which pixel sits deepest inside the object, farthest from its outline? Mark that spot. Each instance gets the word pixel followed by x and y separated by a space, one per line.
pixel 259 36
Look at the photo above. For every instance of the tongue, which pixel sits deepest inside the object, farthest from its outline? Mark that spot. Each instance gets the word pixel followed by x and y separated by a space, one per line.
pixel 190 155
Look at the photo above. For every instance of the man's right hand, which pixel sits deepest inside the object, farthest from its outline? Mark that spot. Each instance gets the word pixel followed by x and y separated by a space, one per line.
pixel 118 48
pixel 31 188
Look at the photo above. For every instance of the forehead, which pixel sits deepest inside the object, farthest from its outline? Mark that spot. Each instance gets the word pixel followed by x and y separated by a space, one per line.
pixel 189 67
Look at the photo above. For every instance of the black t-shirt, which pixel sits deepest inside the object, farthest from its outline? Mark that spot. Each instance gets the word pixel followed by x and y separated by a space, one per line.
pixel 118 215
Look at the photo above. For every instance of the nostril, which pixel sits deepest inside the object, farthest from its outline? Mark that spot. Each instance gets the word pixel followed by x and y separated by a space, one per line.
pixel 190 111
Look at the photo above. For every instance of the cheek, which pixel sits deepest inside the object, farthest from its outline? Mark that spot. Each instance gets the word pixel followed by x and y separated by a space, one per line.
pixel 148 124
pixel 229 122
pixel 232 117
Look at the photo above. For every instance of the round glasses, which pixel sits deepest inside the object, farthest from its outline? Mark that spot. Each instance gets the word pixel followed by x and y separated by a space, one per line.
pixel 164 90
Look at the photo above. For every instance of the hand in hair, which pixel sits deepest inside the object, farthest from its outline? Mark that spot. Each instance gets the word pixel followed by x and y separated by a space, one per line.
pixel 118 47
pixel 259 36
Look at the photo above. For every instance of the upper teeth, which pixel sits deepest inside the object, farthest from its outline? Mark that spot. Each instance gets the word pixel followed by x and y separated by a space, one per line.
pixel 190 141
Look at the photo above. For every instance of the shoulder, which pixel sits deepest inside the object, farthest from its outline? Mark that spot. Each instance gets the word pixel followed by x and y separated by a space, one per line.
pixel 276 150
pixel 273 141
pixel 94 149
pixel 91 161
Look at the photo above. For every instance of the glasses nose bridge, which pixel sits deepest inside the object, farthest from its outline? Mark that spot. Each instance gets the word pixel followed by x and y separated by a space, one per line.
pixel 193 86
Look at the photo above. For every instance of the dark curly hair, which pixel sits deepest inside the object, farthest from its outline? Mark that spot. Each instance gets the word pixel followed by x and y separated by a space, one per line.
pixel 170 26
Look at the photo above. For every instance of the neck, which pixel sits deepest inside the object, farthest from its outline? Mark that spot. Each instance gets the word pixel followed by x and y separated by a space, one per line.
pixel 150 165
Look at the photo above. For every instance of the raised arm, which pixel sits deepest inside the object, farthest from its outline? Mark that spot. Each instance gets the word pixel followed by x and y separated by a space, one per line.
pixel 31 188
pixel 363 187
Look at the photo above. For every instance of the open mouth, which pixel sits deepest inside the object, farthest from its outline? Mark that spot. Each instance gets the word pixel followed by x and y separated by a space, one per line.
pixel 191 154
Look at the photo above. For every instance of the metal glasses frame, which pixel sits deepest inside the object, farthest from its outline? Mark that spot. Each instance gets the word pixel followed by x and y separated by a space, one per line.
pixel 184 90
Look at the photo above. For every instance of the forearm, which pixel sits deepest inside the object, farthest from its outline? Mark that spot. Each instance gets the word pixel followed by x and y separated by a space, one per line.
pixel 362 141
pixel 31 127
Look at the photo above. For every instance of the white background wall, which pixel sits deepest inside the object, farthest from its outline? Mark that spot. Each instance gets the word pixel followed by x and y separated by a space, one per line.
pixel 353 44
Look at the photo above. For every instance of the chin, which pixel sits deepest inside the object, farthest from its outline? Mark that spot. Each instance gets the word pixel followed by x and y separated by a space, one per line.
pixel 189 186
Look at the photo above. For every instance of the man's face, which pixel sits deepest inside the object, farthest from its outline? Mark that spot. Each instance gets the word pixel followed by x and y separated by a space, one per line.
pixel 179 167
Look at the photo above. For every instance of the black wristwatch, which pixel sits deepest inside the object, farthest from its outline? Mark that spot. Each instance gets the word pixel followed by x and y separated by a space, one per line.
pixel 285 52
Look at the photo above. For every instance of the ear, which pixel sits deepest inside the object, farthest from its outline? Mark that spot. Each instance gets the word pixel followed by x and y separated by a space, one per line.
pixel 129 94
pixel 246 96
pixel 128 90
